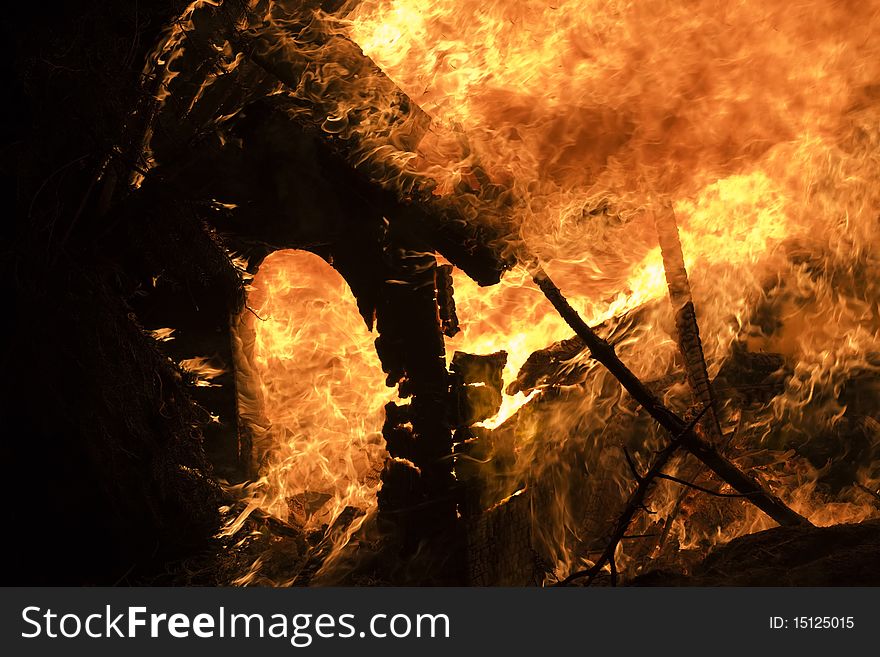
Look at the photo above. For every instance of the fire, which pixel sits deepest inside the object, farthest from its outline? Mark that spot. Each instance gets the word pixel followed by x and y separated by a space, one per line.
pixel 757 123
pixel 318 395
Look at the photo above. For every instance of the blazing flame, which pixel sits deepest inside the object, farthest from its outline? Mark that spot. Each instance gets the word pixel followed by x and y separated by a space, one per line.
pixel 317 396
pixel 757 123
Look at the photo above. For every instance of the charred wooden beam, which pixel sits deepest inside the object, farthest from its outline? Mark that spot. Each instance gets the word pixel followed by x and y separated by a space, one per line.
pixel 687 336
pixel 686 328
pixel 418 496
pixel 380 151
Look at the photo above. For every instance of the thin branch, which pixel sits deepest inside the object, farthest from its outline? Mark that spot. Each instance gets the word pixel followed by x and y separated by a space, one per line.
pixel 632 465
pixel 688 484
pixel 254 313
pixel 635 503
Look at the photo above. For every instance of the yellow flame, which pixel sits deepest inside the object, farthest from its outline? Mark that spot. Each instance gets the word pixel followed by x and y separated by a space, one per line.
pixel 321 394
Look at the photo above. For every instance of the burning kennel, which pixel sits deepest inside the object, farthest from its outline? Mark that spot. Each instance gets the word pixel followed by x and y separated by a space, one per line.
pixel 529 294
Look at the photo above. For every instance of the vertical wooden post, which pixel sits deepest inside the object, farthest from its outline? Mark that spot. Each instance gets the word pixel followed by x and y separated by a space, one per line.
pixel 417 499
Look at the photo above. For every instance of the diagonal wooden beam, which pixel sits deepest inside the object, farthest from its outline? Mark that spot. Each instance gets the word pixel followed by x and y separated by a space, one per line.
pixel 687 336
pixel 603 352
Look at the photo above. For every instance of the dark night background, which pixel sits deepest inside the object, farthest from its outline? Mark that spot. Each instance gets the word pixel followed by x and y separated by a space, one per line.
pixel 106 476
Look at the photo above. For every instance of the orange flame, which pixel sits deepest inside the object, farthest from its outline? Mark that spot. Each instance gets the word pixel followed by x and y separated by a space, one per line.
pixel 757 122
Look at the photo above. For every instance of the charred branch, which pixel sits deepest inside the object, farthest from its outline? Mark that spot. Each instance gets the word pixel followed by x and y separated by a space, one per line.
pixel 635 504
pixel 697 487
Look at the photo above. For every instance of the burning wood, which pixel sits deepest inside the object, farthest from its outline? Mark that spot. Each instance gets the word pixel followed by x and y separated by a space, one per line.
pixel 291 67
pixel 445 175
pixel 727 471
pixel 687 333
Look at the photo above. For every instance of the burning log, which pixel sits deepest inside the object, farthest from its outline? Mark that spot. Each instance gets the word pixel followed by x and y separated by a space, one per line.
pixel 546 363
pixel 556 364
pixel 844 554
pixel 705 452
pixel 405 195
